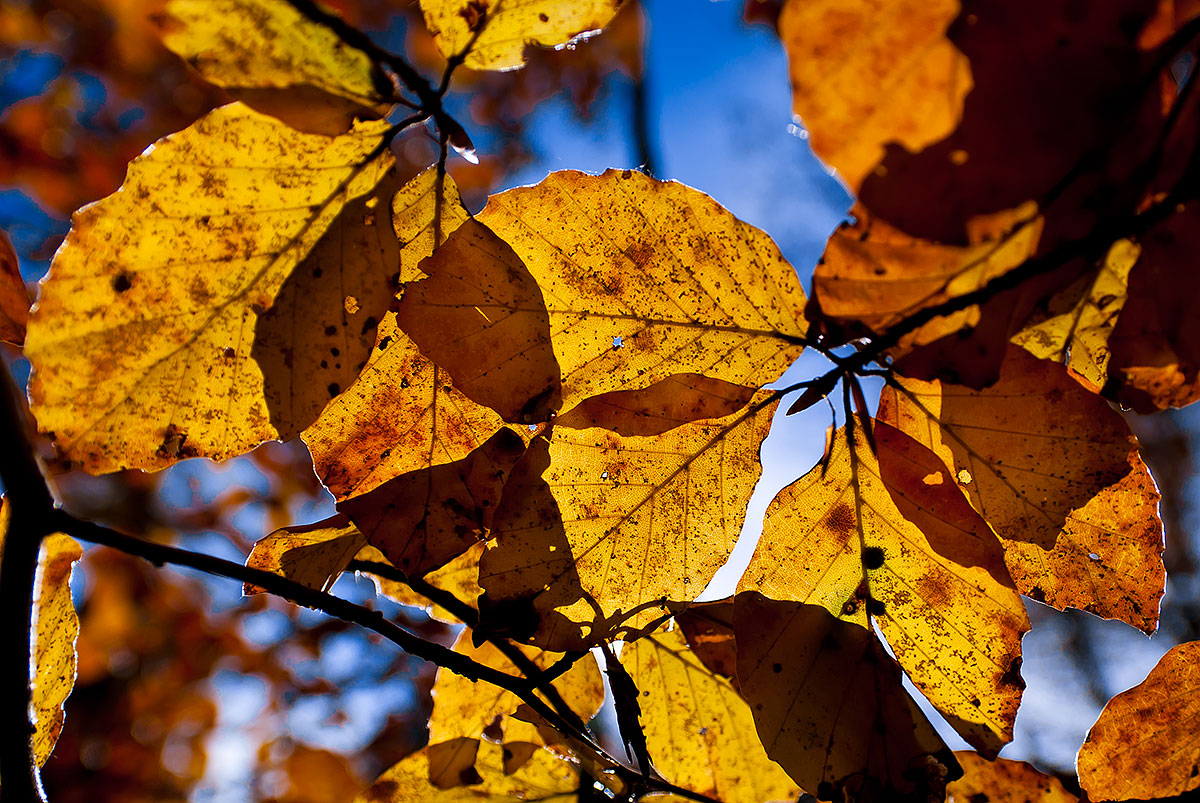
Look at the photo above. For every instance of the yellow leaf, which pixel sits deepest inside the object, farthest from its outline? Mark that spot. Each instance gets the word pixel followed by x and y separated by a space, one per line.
pixel 269 55
pixel 545 777
pixel 14 298
pixel 872 276
pixel 1056 473
pixel 643 279
pixel 312 554
pixel 1004 781
pixel 699 732
pixel 55 627
pixel 867 73
pixel 1145 743
pixel 460 577
pixel 1076 332
pixel 464 707
pixel 495 33
pixel 597 531
pixel 142 336
pixel 425 212
pixel 893 536
pixel 829 707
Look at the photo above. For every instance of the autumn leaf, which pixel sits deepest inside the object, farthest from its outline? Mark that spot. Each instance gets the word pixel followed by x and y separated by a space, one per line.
pixel 544 777
pixel 466 708
pixel 1077 336
pixel 1145 743
pixel 699 732
pixel 459 577
pixel 141 339
pixel 493 34
pixel 708 629
pixel 1056 473
pixel 1003 781
pixel 866 74
pixel 311 554
pixel 269 55
pixel 892 535
pixel 14 298
pixel 643 279
pixel 829 707
pixel 596 530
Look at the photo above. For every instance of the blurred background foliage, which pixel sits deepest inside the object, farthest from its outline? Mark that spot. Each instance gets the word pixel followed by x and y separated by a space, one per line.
pixel 189 691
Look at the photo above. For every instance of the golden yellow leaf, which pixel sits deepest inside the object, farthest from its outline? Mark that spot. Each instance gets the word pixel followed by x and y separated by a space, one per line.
pixel 829 707
pixel 1003 781
pixel 495 33
pixel 142 337
pixel 893 536
pixel 55 627
pixel 464 707
pixel 597 531
pixel 1056 473
pixel 14 298
pixel 1145 743
pixel 268 54
pixel 872 275
pixel 425 212
pixel 545 777
pixel 312 554
pixel 1076 331
pixel 699 732
pixel 460 577
pixel 867 73
pixel 643 279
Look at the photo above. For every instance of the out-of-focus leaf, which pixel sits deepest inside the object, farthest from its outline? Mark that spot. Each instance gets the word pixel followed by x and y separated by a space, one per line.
pixel 269 55
pixel 1145 743
pixel 699 731
pixel 317 776
pixel 829 707
pixel 14 298
pixel 873 276
pixel 544 777
pixel 1156 344
pixel 643 279
pixel 463 707
pixel 312 554
pixel 597 531
pixel 493 34
pixel 1056 473
pixel 1076 331
pixel 1003 781
pixel 459 577
pixel 893 536
pixel 142 336
pixel 866 74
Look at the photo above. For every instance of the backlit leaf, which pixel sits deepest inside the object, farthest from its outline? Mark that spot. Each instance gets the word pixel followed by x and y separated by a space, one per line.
pixel 894 537
pixel 269 55
pixel 643 279
pixel 829 707
pixel 459 577
pixel 868 73
pixel 699 732
pixel 1003 781
pixel 495 33
pixel 708 629
pixel 142 336
pixel 311 554
pixel 1078 335
pixel 597 531
pixel 544 777
pixel 1145 743
pixel 14 298
pixel 1056 473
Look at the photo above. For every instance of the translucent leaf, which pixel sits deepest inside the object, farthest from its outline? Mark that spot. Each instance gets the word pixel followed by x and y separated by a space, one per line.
pixel 829 707
pixel 495 33
pixel 1145 743
pixel 597 531
pixel 269 55
pixel 699 732
pixel 459 577
pixel 643 279
pixel 866 74
pixel 1004 781
pixel 311 554
pixel 142 336
pixel 893 536
pixel 1056 473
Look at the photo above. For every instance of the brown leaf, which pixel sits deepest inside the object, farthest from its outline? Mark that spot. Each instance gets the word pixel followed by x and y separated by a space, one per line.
pixel 668 403
pixel 708 628
pixel 14 298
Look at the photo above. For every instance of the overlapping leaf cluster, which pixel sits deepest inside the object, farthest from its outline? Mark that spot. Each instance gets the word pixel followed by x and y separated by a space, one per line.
pixel 548 415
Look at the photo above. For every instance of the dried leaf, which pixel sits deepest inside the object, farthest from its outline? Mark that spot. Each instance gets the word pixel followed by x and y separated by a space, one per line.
pixel 311 554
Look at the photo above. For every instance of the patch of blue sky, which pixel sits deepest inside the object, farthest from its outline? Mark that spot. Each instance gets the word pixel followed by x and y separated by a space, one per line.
pixel 25 74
